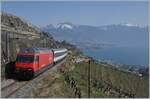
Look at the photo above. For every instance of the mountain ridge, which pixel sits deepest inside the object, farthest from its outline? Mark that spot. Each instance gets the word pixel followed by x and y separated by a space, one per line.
pixel 121 24
pixel 120 34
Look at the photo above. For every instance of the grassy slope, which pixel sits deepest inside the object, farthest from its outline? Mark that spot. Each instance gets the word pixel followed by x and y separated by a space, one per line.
pixel 54 87
pixel 127 82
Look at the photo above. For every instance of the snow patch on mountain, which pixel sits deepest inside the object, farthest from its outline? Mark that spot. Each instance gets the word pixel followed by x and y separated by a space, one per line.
pixel 130 25
pixel 64 26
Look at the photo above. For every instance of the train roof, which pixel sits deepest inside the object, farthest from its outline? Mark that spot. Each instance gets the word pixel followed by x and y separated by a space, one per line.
pixel 35 50
pixel 60 50
pixel 41 50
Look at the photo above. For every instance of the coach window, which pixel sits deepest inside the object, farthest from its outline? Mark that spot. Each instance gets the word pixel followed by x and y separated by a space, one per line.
pixel 59 54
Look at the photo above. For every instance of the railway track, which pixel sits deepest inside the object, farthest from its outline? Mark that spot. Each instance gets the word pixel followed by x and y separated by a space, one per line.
pixel 3 88
pixel 14 89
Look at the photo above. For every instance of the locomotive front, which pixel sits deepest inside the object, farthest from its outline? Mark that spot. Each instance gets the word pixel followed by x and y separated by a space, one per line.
pixel 26 61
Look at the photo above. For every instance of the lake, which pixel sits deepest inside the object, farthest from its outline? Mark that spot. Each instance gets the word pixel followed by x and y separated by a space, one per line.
pixel 123 55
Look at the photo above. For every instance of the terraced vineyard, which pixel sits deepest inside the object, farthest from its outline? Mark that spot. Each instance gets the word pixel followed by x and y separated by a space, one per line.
pixel 109 82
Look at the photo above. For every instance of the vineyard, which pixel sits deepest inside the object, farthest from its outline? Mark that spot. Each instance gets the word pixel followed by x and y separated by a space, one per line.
pixel 108 82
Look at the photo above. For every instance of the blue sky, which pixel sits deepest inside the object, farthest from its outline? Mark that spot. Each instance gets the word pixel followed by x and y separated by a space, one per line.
pixel 89 13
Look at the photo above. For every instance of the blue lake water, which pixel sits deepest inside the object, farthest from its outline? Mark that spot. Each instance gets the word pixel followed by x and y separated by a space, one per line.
pixel 129 56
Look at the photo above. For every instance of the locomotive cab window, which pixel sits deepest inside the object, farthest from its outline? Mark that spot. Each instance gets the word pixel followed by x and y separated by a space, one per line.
pixel 26 59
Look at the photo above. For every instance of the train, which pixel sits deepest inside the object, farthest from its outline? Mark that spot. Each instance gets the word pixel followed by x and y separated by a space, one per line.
pixel 31 62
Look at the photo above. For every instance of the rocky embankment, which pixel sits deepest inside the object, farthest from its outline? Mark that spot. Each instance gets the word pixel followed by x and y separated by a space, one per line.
pixel 11 21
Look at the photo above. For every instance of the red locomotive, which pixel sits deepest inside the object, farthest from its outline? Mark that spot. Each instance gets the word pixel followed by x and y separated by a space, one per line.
pixel 31 62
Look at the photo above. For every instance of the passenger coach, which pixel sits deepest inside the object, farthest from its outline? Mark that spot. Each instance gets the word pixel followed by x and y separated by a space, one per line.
pixel 59 54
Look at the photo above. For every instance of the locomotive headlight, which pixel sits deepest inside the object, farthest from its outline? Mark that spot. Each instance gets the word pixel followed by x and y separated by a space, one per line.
pixel 29 69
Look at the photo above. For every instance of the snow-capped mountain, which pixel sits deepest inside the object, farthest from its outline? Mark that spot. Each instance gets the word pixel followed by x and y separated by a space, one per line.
pixel 130 25
pixel 65 25
pixel 116 34
pixel 60 26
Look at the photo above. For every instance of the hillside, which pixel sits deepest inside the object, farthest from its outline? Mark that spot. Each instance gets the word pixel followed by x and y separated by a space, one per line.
pixel 105 82
pixel 16 33
pixel 11 21
pixel 109 82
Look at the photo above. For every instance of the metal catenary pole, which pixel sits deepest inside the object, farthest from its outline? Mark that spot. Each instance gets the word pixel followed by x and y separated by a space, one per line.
pixel 7 46
pixel 89 79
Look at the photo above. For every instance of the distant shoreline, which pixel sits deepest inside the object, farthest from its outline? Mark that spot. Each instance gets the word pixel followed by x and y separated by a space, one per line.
pixel 120 56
